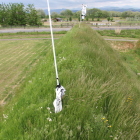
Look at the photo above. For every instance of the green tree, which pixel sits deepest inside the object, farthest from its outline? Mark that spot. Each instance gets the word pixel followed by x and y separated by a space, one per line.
pixel 98 14
pixel 86 18
pixel 111 19
pixel 92 13
pixel 54 15
pixel 108 19
pixel 127 14
pixel 114 13
pixel 105 14
pixel 77 14
pixel 4 14
pixel 67 13
pixel 17 15
pixel 41 13
pixel 32 17
pixel 70 18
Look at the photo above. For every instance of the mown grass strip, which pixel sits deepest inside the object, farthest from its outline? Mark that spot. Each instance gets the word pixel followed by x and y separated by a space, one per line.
pixel 123 33
pixel 15 57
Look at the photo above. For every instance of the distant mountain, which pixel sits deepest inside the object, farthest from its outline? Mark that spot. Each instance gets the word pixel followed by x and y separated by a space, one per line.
pixel 120 9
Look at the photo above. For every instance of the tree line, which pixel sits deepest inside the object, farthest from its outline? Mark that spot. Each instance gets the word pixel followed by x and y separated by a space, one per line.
pixel 97 14
pixel 17 14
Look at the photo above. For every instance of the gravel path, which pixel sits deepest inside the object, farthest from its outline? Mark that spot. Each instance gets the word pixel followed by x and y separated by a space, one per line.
pixel 58 38
pixel 120 39
pixel 25 39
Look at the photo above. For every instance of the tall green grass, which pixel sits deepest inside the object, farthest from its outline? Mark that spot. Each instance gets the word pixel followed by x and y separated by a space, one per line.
pixel 134 33
pixel 101 101
pixel 17 58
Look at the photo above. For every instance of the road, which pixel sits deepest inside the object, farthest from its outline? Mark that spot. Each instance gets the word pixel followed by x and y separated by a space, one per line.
pixel 119 39
pixel 33 30
pixel 58 38
pixel 116 27
pixel 62 29
pixel 25 39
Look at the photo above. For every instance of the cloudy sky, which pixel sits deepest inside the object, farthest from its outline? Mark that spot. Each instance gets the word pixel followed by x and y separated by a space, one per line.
pixel 76 4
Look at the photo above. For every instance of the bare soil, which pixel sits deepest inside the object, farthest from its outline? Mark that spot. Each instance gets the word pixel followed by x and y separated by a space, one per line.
pixel 122 45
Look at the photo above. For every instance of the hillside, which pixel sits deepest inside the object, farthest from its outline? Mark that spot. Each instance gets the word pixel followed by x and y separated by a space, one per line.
pixel 120 9
pixel 101 101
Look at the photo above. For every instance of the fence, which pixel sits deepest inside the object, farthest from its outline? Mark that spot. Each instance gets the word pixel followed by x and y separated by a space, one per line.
pixel 62 25
pixel 71 24
pixel 116 24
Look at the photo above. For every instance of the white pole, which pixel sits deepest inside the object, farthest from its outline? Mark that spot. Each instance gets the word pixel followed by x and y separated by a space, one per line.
pixel 54 54
pixel 80 19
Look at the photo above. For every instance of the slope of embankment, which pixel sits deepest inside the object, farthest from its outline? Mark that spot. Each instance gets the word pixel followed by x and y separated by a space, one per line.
pixel 101 101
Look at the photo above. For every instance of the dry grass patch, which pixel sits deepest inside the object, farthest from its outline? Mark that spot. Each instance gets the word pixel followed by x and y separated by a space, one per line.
pixel 122 45
pixel 117 31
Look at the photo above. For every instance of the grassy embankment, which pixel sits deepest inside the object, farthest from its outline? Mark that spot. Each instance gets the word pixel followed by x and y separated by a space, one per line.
pixel 101 102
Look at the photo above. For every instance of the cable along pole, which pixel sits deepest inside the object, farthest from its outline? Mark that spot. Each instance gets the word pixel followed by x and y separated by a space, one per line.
pixel 60 90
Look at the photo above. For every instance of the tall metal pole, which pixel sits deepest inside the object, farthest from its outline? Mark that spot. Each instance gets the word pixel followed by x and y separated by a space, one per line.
pixel 54 54
pixel 80 19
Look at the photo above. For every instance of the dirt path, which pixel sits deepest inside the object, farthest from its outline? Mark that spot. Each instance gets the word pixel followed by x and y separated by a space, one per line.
pixel 25 39
pixel 120 39
pixel 122 45
pixel 58 38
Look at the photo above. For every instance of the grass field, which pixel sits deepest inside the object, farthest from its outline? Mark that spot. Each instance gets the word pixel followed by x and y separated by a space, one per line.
pixel 29 36
pixel 130 52
pixel 24 35
pixel 132 57
pixel 17 58
pixel 101 101
pixel 122 33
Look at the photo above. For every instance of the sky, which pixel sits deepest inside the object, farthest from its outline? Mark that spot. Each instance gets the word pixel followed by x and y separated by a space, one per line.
pixel 76 4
